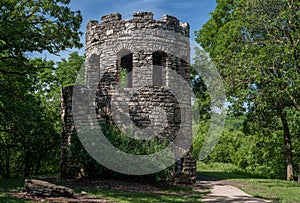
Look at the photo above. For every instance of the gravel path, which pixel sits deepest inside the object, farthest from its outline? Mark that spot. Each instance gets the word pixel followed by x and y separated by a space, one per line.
pixel 222 192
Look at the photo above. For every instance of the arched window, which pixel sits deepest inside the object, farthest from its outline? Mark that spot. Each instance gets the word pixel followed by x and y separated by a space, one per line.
pixel 125 65
pixel 159 61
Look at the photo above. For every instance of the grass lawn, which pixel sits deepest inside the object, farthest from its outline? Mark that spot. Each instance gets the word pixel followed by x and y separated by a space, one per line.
pixel 10 184
pixel 156 193
pixel 275 190
pixel 137 197
pixel 168 194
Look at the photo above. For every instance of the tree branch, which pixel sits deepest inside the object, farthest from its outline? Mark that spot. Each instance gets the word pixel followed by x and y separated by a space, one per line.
pixel 295 102
pixel 11 72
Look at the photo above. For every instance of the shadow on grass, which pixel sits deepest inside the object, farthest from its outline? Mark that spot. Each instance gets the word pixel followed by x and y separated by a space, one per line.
pixel 165 193
pixel 146 197
pixel 12 200
pixel 10 184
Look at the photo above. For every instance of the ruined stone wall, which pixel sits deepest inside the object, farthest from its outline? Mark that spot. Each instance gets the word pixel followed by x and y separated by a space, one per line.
pixel 142 36
pixel 144 103
pixel 69 165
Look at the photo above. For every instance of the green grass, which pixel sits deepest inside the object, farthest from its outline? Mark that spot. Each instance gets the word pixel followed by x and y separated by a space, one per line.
pixel 139 197
pixel 10 184
pixel 275 190
pixel 168 194
pixel 225 171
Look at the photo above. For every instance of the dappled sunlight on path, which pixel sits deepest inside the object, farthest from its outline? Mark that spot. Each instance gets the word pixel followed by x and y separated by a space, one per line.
pixel 222 192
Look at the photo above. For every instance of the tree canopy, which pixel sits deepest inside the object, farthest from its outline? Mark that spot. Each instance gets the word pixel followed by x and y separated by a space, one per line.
pixel 255 45
pixel 28 130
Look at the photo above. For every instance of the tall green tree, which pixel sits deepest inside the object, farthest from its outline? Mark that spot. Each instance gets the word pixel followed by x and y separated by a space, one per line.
pixel 71 70
pixel 27 134
pixel 255 45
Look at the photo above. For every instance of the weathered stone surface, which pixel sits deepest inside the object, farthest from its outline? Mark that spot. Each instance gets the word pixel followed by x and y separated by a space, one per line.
pixel 70 166
pixel 46 189
pixel 150 51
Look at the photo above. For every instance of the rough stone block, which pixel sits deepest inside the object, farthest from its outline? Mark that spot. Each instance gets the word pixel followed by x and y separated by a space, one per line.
pixel 46 189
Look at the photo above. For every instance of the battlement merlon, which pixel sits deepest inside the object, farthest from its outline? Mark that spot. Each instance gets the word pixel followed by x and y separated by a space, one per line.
pixel 111 17
pixel 112 24
pixel 146 16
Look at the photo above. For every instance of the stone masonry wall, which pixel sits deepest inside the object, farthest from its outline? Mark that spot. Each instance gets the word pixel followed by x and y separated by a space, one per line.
pixel 164 106
pixel 70 167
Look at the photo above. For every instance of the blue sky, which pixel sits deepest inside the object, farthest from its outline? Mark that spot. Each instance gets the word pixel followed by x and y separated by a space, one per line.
pixel 195 12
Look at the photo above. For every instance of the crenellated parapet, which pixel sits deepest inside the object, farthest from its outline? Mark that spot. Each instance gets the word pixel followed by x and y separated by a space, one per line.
pixel 112 25
pixel 139 72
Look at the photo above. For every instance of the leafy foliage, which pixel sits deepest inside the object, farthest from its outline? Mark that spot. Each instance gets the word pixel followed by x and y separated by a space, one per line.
pixel 124 143
pixel 254 44
pixel 29 133
pixel 250 150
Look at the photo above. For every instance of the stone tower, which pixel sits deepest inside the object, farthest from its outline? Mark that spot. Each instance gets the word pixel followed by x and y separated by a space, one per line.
pixel 139 72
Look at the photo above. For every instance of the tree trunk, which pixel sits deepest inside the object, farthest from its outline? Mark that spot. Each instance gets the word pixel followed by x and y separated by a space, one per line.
pixel 37 166
pixel 288 147
pixel 27 164
pixel 7 166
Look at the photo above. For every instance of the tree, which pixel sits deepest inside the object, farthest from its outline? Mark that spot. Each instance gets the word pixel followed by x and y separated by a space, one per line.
pixel 255 46
pixel 29 26
pixel 71 70
pixel 27 133
pixel 201 108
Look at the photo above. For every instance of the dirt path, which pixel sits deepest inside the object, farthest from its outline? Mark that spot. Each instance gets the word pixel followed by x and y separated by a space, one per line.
pixel 221 191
